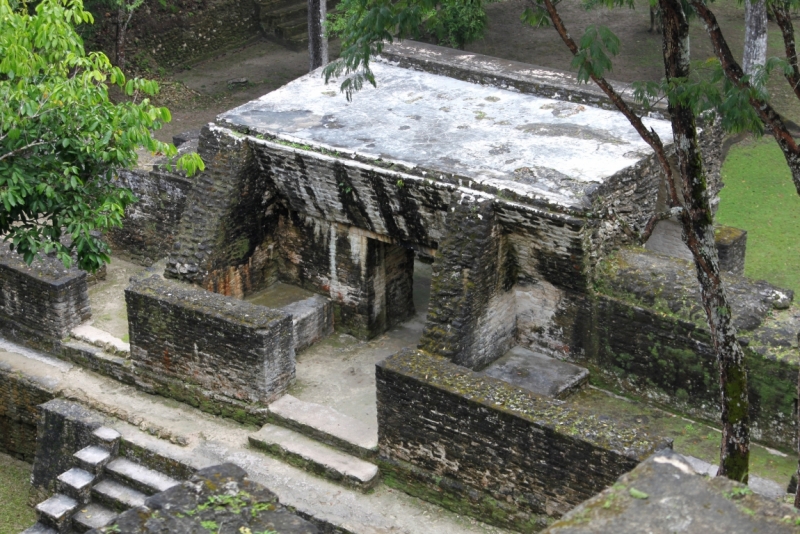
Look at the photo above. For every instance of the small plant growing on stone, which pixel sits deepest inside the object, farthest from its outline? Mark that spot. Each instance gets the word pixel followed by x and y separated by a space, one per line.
pixel 400 183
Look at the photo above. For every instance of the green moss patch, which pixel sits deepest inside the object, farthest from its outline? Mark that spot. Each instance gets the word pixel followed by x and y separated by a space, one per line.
pixel 15 514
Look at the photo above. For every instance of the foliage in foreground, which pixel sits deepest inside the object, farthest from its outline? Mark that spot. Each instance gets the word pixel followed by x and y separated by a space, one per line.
pixel 62 139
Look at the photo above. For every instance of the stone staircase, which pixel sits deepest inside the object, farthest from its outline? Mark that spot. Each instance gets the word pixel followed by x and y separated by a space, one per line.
pixel 286 21
pixel 322 441
pixel 99 486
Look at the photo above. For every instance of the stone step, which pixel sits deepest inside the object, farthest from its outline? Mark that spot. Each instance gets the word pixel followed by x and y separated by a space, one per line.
pixel 56 512
pixel 76 483
pixel 93 458
pixel 326 425
pixel 92 516
pixel 139 477
pixel 267 7
pixel 117 496
pixel 291 28
pixel 39 528
pixel 294 13
pixel 108 438
pixel 102 339
pixel 304 452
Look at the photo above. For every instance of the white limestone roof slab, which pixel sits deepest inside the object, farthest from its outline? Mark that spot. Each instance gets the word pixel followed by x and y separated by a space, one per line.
pixel 535 146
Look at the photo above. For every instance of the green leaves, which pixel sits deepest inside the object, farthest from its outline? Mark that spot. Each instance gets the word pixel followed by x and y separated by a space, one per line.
pixel 593 58
pixel 62 140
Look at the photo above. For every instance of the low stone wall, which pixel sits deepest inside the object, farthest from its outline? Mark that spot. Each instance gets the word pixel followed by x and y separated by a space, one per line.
pixel 20 397
pixel 482 447
pixel 41 302
pixel 312 320
pixel 186 334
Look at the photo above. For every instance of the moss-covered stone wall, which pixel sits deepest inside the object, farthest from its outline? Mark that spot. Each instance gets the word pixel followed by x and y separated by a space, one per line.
pixel 643 331
pixel 482 447
pixel 178 33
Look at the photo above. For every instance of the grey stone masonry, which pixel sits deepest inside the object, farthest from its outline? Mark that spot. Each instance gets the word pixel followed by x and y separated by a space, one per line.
pixel 471 317
pixel 149 228
pixel 664 495
pixel 186 334
pixel 222 242
pixel 43 300
pixel 64 428
pixel 222 496
pixel 486 448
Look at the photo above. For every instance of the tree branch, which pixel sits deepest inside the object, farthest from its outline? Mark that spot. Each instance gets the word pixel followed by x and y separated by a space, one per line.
pixel 22 149
pixel 780 10
pixel 733 71
pixel 649 135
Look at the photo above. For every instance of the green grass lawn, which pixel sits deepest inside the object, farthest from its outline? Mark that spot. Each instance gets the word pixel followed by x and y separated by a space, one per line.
pixel 15 515
pixel 759 197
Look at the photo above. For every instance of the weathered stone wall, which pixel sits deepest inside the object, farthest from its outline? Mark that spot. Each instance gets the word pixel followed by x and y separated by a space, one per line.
pixel 471 315
pixel 43 300
pixel 150 225
pixel 223 241
pixel 312 320
pixel 369 281
pixel 20 397
pixel 186 334
pixel 180 33
pixel 485 448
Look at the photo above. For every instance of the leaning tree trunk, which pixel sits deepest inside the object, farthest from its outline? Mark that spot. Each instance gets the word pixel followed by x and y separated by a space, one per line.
pixel 698 234
pixel 697 223
pixel 755 36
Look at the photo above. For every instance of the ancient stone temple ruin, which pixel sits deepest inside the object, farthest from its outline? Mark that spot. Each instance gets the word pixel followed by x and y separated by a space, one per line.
pixel 409 290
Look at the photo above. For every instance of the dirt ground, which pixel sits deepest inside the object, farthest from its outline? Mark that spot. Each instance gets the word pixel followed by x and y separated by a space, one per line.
pixel 267 65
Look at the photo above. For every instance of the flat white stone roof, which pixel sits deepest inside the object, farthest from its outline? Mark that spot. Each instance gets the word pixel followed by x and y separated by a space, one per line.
pixel 538 147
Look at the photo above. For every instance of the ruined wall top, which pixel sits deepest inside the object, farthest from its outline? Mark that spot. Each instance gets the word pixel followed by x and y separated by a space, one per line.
pixel 558 148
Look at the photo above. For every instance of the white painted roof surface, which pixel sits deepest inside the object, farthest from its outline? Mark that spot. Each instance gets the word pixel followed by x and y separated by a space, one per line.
pixel 537 147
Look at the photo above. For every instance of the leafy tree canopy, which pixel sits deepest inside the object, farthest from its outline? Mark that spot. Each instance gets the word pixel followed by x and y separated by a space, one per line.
pixel 62 139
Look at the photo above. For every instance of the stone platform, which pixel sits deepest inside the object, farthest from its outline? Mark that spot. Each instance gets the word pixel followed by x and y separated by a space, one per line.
pixel 539 147
pixel 538 373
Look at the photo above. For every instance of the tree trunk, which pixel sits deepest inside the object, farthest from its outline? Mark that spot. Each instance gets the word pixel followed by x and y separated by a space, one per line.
pixel 797 407
pixel 755 36
pixel 698 234
pixel 121 29
pixel 317 42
